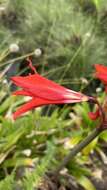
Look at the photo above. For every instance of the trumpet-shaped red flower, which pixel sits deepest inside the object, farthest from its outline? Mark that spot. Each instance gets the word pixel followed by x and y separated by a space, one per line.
pixel 101 73
pixel 43 92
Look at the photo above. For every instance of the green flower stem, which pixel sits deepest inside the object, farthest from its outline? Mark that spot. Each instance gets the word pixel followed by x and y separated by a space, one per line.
pixel 78 148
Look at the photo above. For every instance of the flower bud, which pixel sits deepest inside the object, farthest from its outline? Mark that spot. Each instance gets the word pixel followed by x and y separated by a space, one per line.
pixel 38 52
pixel 27 152
pixel 13 48
pixel 98 89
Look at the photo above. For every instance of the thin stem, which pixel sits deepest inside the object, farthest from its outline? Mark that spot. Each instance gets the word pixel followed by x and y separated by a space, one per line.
pixel 17 59
pixel 78 148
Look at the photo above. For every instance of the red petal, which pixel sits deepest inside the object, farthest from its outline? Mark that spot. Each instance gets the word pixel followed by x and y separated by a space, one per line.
pixel 101 72
pixel 36 79
pixel 22 93
pixel 101 68
pixel 102 77
pixel 25 93
pixel 95 115
pixel 37 102
pixel 44 88
pixel 26 107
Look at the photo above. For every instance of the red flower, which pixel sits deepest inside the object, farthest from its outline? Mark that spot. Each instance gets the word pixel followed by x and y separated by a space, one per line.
pixel 43 92
pixel 95 115
pixel 101 73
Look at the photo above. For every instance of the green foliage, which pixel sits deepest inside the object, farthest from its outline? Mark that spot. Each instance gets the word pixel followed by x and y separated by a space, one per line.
pixel 7 183
pixel 47 138
pixel 33 179
pixel 31 133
